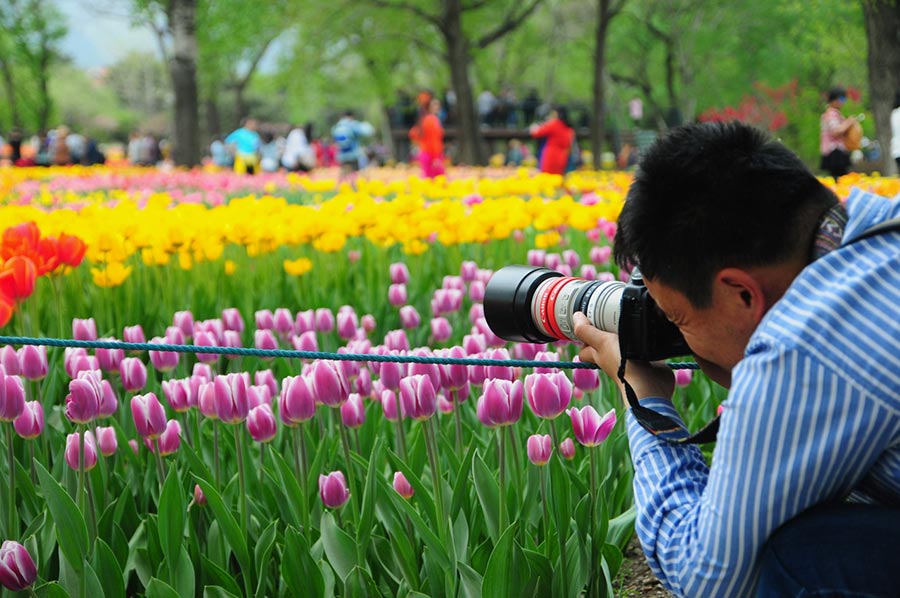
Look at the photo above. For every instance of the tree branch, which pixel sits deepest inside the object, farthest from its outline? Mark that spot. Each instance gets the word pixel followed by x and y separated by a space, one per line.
pixel 411 8
pixel 475 5
pixel 509 24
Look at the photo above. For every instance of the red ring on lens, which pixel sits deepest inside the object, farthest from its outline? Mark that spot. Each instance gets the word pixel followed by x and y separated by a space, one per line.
pixel 545 312
pixel 551 305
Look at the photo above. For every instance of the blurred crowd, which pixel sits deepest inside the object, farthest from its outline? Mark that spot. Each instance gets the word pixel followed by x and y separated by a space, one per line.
pixel 57 147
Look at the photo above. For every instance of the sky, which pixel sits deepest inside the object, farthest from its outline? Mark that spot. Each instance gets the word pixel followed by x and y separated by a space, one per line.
pixel 97 37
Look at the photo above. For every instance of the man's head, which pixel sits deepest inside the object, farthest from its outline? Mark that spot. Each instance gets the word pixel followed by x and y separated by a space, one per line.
pixel 249 123
pixel 716 209
pixel 837 94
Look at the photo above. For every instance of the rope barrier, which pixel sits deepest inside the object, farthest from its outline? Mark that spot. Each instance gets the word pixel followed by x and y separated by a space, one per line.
pixel 312 355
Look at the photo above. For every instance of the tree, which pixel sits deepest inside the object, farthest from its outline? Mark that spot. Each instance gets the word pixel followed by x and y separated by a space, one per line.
pixel 606 12
pixel 459 46
pixel 882 27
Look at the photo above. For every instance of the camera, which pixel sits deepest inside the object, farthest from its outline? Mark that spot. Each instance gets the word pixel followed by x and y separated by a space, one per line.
pixel 536 305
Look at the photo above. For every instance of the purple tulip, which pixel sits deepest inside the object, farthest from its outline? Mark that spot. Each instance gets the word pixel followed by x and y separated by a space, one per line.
pixel 409 317
pixel 396 340
pixel 367 322
pixel 476 312
pixel 331 386
pixel 32 362
pixel 84 330
pixel 589 428
pixel 333 490
pixel 149 415
pixel 305 321
pixel 553 261
pixel 163 361
pixel 298 400
pixel 503 372
pixel 84 398
pixel 261 423
pixel 134 374
pixel 548 394
pixel 468 271
pixel 586 380
pixel 17 570
pixel 588 272
pixel 30 423
pixel 206 339
pixel 397 295
pixel 600 255
pixel 476 291
pixel 548 356
pixel 402 485
pixel 446 301
pixel 501 402
pixel 107 441
pixel 199 497
pixel 9 360
pixel 73 446
pixel 206 400
pixel 363 384
pixel 324 320
pixel 353 412
pixel 265 340
pixel 134 334
pixel 232 320
pixel 12 397
pixel 178 394
pixel 441 331
pixel 109 359
pixel 231 401
pixel 683 377
pixel 399 273
pixel 174 336
pixel 432 370
pixel 283 322
pixel 418 396
pixel 536 257
pixel 170 440
pixel 109 403
pixel 392 408
pixel 184 320
pixel 259 394
pixel 539 446
pixel 81 363
pixel 347 323
pixel 454 377
pixel 232 338
pixel 266 378
pixel 474 343
pixel 567 449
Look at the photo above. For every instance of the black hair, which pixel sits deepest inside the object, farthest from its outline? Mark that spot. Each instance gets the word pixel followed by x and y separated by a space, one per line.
pixel 835 93
pixel 897 99
pixel 563 114
pixel 714 195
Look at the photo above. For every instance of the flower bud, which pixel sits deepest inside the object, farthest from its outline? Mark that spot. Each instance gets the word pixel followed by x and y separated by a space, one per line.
pixel 17 569
pixel 261 423
pixel 333 490
pixel 539 448
pixel 402 485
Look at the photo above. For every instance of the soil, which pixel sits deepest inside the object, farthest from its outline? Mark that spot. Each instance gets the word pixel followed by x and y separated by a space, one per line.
pixel 635 580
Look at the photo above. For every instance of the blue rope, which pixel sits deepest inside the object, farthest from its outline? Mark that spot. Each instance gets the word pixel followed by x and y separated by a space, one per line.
pixel 292 354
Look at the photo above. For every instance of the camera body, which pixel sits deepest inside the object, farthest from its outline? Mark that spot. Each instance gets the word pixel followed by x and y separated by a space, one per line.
pixel 536 305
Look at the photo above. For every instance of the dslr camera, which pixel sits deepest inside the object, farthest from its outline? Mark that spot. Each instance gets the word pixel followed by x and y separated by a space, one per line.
pixel 527 304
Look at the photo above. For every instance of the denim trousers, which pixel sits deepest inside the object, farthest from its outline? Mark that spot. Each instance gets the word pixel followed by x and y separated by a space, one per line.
pixel 834 551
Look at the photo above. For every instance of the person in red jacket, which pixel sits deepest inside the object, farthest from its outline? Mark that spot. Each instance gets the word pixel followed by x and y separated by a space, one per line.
pixel 558 136
pixel 429 136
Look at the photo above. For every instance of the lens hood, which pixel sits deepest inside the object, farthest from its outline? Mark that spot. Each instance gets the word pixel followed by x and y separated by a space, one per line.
pixel 507 303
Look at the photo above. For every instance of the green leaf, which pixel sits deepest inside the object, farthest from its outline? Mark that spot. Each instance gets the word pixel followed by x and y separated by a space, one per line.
pixel 422 495
pixel 612 557
pixel 261 554
pixel 108 570
pixel 293 493
pixel 367 512
pixel 218 575
pixel 300 571
pixel 621 528
pixel 228 524
pixel 460 533
pixel 51 590
pixel 488 494
pixel 403 554
pixel 183 576
pixel 160 589
pixel 171 521
pixel 339 546
pixel 471 581
pixel 498 578
pixel 71 530
pixel 541 574
pixel 461 485
pixel 219 592
pixel 438 550
pixel 359 584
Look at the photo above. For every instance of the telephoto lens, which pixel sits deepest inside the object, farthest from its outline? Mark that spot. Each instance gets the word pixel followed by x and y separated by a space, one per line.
pixel 536 305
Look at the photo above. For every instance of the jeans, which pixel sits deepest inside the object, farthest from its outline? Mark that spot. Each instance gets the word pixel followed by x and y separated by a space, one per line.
pixel 832 551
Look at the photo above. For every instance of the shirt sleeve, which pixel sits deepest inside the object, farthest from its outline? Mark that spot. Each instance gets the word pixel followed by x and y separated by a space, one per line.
pixel 793 434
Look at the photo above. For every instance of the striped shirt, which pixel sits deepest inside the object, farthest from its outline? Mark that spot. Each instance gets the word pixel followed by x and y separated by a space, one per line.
pixel 813 415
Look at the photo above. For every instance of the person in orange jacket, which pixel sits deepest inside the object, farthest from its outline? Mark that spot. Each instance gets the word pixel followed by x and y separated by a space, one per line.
pixel 558 135
pixel 429 136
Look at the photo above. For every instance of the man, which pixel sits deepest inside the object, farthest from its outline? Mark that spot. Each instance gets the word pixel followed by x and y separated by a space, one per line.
pixel 835 156
pixel 348 134
pixel 246 143
pixel 755 261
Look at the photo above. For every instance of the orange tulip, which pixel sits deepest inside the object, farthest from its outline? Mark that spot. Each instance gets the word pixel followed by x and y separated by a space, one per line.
pixel 21 283
pixel 47 255
pixel 71 250
pixel 19 239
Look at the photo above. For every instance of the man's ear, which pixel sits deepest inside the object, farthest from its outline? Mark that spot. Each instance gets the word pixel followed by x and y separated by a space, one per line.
pixel 742 291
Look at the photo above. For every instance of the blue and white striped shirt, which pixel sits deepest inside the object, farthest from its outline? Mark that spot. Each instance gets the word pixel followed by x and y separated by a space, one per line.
pixel 813 415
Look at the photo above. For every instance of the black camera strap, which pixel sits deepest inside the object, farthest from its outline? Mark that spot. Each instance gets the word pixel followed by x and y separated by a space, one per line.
pixel 665 427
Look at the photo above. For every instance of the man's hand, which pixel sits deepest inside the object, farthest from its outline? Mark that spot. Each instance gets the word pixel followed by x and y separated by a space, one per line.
pixel 602 348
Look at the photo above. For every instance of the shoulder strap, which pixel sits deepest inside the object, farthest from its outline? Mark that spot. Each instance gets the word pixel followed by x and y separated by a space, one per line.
pixel 882 227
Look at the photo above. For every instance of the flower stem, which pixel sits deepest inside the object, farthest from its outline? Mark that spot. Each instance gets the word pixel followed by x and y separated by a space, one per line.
pixel 160 468
pixel 300 463
pixel 594 586
pixel 13 529
pixel 457 417
pixel 562 527
pixel 351 478
pixel 434 465
pixel 216 454
pixel 501 453
pixel 401 437
pixel 546 519
pixel 245 515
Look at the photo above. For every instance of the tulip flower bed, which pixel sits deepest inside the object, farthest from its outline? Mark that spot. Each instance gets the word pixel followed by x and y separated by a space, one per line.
pixel 161 473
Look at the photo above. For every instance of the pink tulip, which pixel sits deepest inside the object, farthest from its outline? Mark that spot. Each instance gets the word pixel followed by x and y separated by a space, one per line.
pixel 170 440
pixel 476 291
pixel 232 319
pixel 548 356
pixel 567 449
pixel 539 446
pixel 261 423
pixel 605 276
pixel 367 322
pixel 70 355
pixel 17 569
pixel 454 282
pixel 202 370
pixel 571 258
pixel 476 312
pixel 353 412
pixel 474 344
pixel 399 273
pixel 73 446
pixel 481 326
pixel 82 363
pixel 354 256
pixel 441 330
pixel 231 401
pixel 283 322
pixel 445 405
pixel 32 362
pixel 174 336
pixel 305 321
pixel 391 373
pixel 184 321
pixel 468 271
pixel 134 334
pixel 177 393
pixel 107 441
pixel 134 374
pixel 553 261
pixel 502 402
pixel 206 400
pixel 109 359
pixel 432 370
pixel 84 398
pixel 347 323
pixel 12 397
pixel 149 415
pixel 259 394
pixel 600 255
pixel 9 360
pixel 363 383
pixel 585 379
pixel 331 386
pixel 418 396
pixel 298 400
pixel 266 378
pixel 324 320
pixel 84 330
pixel 402 485
pixel 397 295
pixel 527 351
pixel 109 403
pixel 454 377
pixel 163 361
pixel 135 447
pixel 199 497
pixel 446 301
pixel 206 339
pixel 548 394
pixel 589 428
pixel 333 490
pixel 396 340
pixel 30 423
pixel 265 340
pixel 409 317
pixel 306 342
pixel 503 372
pixel 536 257
pixel 683 377
pixel 588 272
pixel 390 405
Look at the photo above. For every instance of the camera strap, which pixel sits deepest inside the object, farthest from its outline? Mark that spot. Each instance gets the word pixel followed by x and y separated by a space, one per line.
pixel 665 427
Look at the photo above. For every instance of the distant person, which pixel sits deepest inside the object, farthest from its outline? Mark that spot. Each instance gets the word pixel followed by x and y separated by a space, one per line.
pixel 92 155
pixel 486 104
pixel 219 153
pixel 270 153
pixel 429 136
pixel 133 149
pixel 348 135
pixel 895 131
pixel 530 104
pixel 516 153
pixel 15 145
pixel 834 127
pixel 246 143
pixel 60 149
pixel 298 155
pixel 559 138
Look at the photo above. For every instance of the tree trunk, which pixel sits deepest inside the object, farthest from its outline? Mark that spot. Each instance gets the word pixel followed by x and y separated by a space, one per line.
pixel 10 86
pixel 213 119
pixel 468 135
pixel 183 69
pixel 45 102
pixel 883 35
pixel 598 122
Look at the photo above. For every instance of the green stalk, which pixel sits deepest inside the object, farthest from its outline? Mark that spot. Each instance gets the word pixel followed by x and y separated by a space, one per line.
pixel 351 478
pixel 13 529
pixel 434 465
pixel 561 527
pixel 501 453
pixel 300 463
pixel 216 454
pixel 401 436
pixel 457 417
pixel 594 578
pixel 245 514
pixel 160 468
pixel 546 519
pixel 80 431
